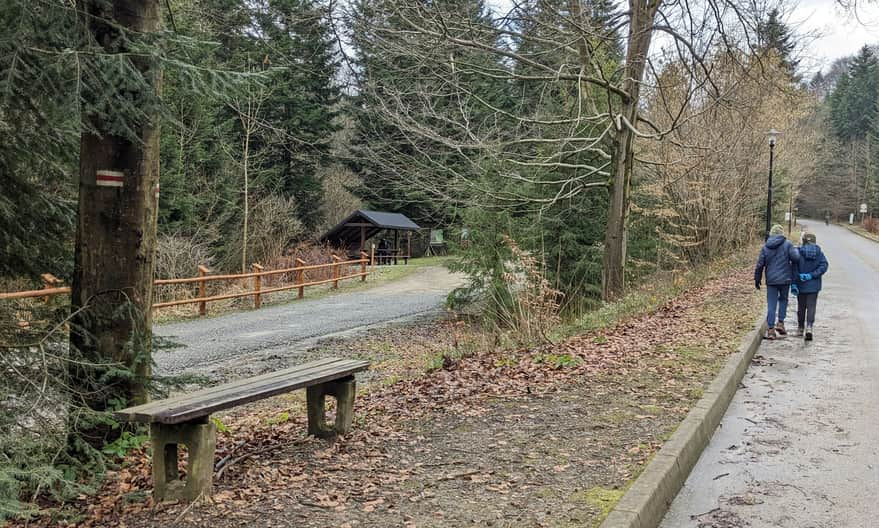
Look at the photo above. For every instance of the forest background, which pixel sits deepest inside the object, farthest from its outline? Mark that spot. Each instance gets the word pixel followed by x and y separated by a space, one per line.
pixel 309 110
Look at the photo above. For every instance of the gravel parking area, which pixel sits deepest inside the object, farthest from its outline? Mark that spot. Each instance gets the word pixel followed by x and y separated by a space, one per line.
pixel 248 343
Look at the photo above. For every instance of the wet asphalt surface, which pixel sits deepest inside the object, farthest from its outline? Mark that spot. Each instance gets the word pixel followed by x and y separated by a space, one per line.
pixel 799 445
pixel 246 343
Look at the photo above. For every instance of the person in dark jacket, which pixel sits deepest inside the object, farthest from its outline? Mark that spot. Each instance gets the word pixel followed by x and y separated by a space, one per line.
pixel 811 266
pixel 778 260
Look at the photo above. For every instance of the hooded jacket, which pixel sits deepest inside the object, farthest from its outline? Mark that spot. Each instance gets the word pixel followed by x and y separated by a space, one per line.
pixel 778 258
pixel 812 261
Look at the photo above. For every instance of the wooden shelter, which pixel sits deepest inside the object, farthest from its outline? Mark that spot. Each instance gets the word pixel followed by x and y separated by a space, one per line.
pixel 360 226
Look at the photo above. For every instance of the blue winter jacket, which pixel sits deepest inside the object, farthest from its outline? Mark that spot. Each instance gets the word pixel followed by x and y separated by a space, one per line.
pixel 778 258
pixel 813 261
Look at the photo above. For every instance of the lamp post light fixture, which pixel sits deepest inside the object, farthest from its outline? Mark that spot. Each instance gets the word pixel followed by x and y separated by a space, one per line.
pixel 773 136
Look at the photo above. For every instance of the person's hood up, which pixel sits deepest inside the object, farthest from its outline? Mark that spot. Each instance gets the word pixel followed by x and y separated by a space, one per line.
pixel 809 251
pixel 775 241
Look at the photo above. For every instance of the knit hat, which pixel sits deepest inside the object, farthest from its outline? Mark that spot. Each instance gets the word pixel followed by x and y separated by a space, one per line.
pixel 776 230
pixel 809 238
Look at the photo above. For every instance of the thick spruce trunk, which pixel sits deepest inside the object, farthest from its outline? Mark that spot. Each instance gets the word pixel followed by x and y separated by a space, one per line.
pixel 112 285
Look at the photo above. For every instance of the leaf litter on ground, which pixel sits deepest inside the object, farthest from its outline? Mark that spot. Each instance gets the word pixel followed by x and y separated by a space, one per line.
pixel 495 437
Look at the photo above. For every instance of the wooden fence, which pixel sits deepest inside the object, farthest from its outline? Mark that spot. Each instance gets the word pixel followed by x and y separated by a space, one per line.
pixel 51 284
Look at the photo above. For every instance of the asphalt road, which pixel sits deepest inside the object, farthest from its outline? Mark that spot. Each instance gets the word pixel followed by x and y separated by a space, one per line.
pixel 246 343
pixel 798 446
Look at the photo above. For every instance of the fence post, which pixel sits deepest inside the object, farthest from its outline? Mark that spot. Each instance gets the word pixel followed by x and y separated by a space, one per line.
pixel 363 258
pixel 202 290
pixel 257 283
pixel 49 281
pixel 372 257
pixel 300 275
pixel 336 272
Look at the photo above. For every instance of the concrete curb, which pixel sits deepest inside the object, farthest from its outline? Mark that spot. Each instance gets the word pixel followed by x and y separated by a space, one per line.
pixel 647 501
pixel 864 234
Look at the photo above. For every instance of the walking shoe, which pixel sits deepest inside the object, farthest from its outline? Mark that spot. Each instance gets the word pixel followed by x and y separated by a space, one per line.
pixel 799 332
pixel 808 333
pixel 779 327
pixel 770 334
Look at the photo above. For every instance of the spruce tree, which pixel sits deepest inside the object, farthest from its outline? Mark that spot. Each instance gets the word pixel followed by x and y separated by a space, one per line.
pixel 863 93
pixel 39 123
pixel 303 104
pixel 413 143
pixel 776 38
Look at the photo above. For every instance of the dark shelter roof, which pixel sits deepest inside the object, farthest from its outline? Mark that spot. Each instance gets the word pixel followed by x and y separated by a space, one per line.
pixel 365 224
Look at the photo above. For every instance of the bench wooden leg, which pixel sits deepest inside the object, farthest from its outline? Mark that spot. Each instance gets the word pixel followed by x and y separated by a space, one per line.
pixel 343 390
pixel 201 439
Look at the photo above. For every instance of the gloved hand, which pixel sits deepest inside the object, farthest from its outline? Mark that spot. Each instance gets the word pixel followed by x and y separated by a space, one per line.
pixel 794 289
pixel 805 277
pixel 757 284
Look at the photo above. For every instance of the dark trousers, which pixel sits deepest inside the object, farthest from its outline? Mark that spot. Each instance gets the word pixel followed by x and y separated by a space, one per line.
pixel 776 302
pixel 806 304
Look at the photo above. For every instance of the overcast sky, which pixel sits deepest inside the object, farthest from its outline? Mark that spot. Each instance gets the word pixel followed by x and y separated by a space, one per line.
pixel 836 33
pixel 829 32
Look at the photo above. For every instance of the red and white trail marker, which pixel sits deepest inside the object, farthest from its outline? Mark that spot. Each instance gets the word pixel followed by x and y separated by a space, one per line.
pixel 157 191
pixel 108 178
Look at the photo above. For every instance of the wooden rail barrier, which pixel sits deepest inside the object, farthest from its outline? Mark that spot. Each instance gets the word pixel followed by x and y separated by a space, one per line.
pixel 202 289
pixel 299 277
pixel 50 287
pixel 336 272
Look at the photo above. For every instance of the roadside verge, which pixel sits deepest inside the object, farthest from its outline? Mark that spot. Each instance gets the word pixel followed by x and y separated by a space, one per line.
pixel 647 500
pixel 862 232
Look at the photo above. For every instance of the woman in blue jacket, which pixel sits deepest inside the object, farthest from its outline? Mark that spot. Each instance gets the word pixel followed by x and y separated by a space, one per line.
pixel 778 259
pixel 811 266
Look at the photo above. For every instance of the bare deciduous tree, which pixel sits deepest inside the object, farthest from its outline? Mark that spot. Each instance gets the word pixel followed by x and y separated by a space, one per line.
pixel 576 118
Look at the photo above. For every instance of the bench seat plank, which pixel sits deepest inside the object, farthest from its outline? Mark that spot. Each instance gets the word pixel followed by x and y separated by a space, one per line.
pixel 237 393
pixel 157 405
pixel 204 402
pixel 195 410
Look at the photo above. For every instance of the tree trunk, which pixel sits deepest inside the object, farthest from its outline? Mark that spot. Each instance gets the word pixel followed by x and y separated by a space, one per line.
pixel 866 194
pixel 853 172
pixel 112 285
pixel 246 200
pixel 640 33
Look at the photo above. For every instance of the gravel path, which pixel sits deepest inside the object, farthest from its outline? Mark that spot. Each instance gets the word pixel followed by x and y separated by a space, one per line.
pixel 247 343
pixel 797 447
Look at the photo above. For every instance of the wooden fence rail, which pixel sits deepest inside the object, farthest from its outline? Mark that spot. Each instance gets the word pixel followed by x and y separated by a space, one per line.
pixel 50 283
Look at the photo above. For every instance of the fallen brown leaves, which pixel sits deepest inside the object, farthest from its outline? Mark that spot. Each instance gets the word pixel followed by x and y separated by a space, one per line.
pixel 390 463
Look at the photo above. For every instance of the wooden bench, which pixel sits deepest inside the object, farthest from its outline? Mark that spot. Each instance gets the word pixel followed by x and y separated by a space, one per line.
pixel 185 419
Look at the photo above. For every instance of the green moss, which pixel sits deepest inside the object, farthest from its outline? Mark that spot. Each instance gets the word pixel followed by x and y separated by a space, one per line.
pixel 391 380
pixel 558 361
pixel 506 361
pixel 691 353
pixel 283 417
pixel 435 362
pixel 546 493
pixel 617 416
pixel 380 348
pixel 601 499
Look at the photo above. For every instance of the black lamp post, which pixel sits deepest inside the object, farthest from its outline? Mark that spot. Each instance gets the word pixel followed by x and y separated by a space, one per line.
pixel 772 135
